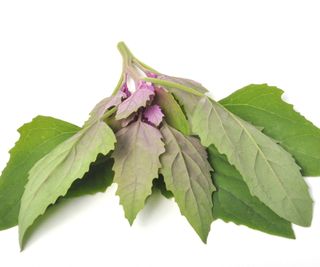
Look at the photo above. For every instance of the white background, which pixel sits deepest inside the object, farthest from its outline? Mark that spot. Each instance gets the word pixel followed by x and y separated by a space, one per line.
pixel 59 58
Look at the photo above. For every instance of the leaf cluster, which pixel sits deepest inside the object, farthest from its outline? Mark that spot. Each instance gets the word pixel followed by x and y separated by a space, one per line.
pixel 241 159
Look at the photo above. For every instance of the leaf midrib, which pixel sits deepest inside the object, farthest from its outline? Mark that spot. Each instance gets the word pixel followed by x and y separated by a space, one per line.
pixel 245 203
pixel 61 162
pixel 266 111
pixel 262 154
pixel 189 182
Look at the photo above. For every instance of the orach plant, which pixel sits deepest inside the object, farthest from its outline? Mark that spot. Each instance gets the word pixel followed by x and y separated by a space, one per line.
pixel 241 159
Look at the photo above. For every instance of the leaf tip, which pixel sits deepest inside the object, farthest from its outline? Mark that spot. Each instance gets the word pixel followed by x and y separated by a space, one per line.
pixel 21 240
pixel 130 219
pixel 203 236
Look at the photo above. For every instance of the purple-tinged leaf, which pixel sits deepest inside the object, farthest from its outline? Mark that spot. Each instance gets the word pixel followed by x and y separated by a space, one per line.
pixel 126 90
pixel 125 122
pixel 153 115
pixel 138 99
pixel 186 173
pixel 151 75
pixel 145 85
pixel 136 164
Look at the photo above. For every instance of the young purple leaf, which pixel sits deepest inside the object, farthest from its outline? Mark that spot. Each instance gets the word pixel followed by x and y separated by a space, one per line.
pixel 145 85
pixel 138 99
pixel 153 115
pixel 125 89
pixel 151 75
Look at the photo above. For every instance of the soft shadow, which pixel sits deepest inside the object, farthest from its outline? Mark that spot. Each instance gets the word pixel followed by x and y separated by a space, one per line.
pixel 153 208
pixel 50 219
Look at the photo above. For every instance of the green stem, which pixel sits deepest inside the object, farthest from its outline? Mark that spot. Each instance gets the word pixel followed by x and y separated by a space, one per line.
pixel 173 85
pixel 128 61
pixel 125 53
pixel 129 58
pixel 109 113
pixel 119 84
pixel 144 66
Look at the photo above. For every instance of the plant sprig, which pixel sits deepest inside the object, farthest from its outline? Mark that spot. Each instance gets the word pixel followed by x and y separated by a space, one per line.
pixel 241 159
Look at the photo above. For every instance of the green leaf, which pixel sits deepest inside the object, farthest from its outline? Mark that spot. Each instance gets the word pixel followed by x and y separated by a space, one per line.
pixel 136 164
pixel 262 105
pixel 186 173
pixel 52 176
pixel 233 201
pixel 37 138
pixel 174 115
pixel 269 171
pixel 97 179
pixel 187 100
pixel 159 184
